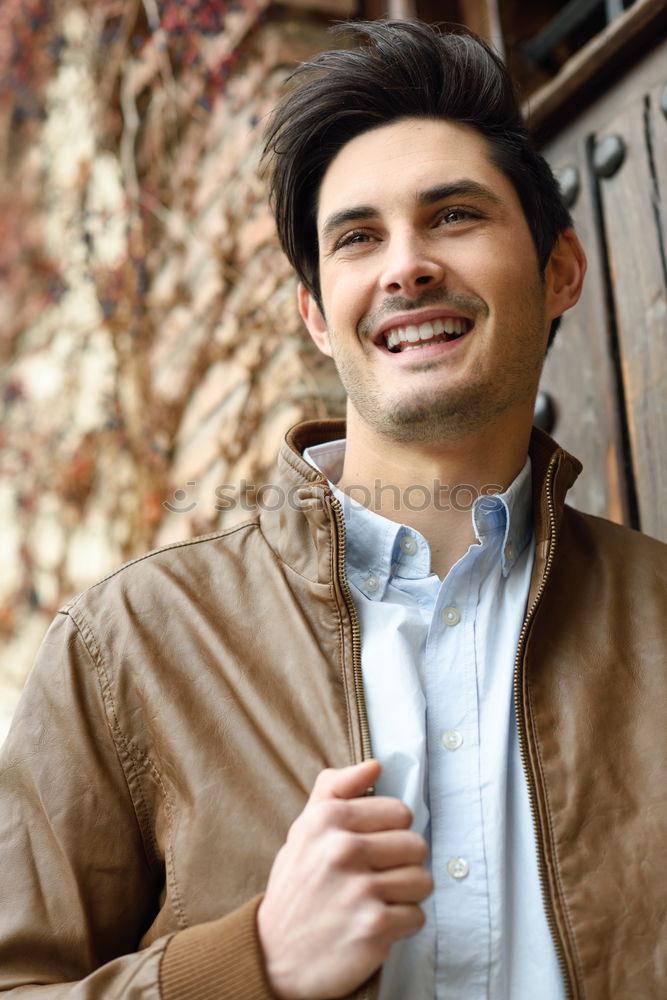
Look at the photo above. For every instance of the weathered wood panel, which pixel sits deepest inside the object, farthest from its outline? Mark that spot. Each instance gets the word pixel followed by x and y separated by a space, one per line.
pixel 579 372
pixel 607 52
pixel 634 222
pixel 583 371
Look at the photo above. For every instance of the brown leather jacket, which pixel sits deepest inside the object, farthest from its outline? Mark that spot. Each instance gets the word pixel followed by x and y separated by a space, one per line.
pixel 181 709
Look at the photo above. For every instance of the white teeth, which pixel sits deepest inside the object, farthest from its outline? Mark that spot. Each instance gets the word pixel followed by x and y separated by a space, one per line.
pixel 425 331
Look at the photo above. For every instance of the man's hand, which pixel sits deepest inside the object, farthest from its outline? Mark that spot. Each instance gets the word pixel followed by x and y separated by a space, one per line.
pixel 345 886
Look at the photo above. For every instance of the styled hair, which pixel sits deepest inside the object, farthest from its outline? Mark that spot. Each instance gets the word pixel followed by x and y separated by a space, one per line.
pixel 402 69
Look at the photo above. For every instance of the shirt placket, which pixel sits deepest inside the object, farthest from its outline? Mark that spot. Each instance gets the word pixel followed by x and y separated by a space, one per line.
pixel 457 840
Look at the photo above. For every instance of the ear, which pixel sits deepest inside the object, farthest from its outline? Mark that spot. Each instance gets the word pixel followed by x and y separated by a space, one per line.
pixel 312 316
pixel 564 273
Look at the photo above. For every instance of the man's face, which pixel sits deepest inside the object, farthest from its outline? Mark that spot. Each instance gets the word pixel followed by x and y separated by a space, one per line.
pixel 434 307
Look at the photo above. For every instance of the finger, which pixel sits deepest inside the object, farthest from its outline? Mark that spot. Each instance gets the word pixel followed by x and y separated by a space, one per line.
pixel 401 920
pixel 411 884
pixel 345 782
pixel 394 848
pixel 370 814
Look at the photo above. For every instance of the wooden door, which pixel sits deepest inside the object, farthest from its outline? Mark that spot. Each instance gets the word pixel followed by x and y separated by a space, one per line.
pixel 607 371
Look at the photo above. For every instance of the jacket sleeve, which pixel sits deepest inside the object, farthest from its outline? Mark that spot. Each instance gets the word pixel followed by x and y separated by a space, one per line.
pixel 79 882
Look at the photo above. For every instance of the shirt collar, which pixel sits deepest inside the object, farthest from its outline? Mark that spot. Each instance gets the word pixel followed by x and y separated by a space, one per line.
pixel 377 548
pixel 511 512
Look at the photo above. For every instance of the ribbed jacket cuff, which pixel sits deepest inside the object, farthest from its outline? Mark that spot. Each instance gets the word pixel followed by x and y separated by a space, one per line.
pixel 220 960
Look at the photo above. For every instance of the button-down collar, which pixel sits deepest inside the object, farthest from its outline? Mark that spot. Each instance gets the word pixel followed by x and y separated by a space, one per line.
pixel 510 510
pixel 378 549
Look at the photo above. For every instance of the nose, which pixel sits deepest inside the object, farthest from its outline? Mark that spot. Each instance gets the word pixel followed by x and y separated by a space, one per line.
pixel 409 266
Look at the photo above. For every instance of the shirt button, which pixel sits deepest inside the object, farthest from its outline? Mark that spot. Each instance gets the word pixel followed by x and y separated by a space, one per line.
pixel 372 584
pixel 452 740
pixel 450 616
pixel 509 552
pixel 458 867
pixel 408 545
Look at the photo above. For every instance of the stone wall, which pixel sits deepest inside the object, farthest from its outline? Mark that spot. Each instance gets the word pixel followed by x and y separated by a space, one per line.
pixel 151 349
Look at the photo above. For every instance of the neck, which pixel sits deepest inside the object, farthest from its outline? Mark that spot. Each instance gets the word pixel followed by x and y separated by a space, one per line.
pixel 432 486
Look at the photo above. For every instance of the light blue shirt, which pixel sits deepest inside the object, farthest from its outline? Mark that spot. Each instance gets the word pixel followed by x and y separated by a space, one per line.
pixel 438 669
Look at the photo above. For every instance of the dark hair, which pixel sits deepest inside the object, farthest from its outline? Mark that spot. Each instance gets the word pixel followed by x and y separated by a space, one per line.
pixel 406 69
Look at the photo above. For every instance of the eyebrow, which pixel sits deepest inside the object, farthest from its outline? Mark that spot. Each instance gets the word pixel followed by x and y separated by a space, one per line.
pixel 456 189
pixel 345 215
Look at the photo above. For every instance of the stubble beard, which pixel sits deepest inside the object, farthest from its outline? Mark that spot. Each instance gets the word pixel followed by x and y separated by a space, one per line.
pixel 450 414
pixel 428 418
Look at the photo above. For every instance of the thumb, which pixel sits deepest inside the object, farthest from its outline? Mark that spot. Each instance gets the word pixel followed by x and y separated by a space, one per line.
pixel 345 782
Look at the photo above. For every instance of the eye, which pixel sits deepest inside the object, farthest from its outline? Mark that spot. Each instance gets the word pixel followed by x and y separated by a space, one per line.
pixel 450 216
pixel 353 238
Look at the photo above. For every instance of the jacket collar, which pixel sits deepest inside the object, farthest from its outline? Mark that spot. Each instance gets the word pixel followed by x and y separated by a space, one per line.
pixel 550 462
pixel 305 435
pixel 307 544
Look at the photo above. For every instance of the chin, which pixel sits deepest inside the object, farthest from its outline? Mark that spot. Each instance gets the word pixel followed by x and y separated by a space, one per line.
pixel 422 424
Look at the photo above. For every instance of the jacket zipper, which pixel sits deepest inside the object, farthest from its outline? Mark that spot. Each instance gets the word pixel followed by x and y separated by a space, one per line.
pixel 366 750
pixel 365 992
pixel 521 733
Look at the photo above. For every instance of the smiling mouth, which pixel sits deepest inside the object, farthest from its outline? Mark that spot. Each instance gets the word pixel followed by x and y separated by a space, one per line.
pixel 407 338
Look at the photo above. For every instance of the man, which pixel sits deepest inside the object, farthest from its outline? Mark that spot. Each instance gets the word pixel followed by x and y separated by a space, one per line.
pixel 184 808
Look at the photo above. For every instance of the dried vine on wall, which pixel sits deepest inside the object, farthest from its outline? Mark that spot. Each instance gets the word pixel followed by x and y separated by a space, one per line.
pixel 148 330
